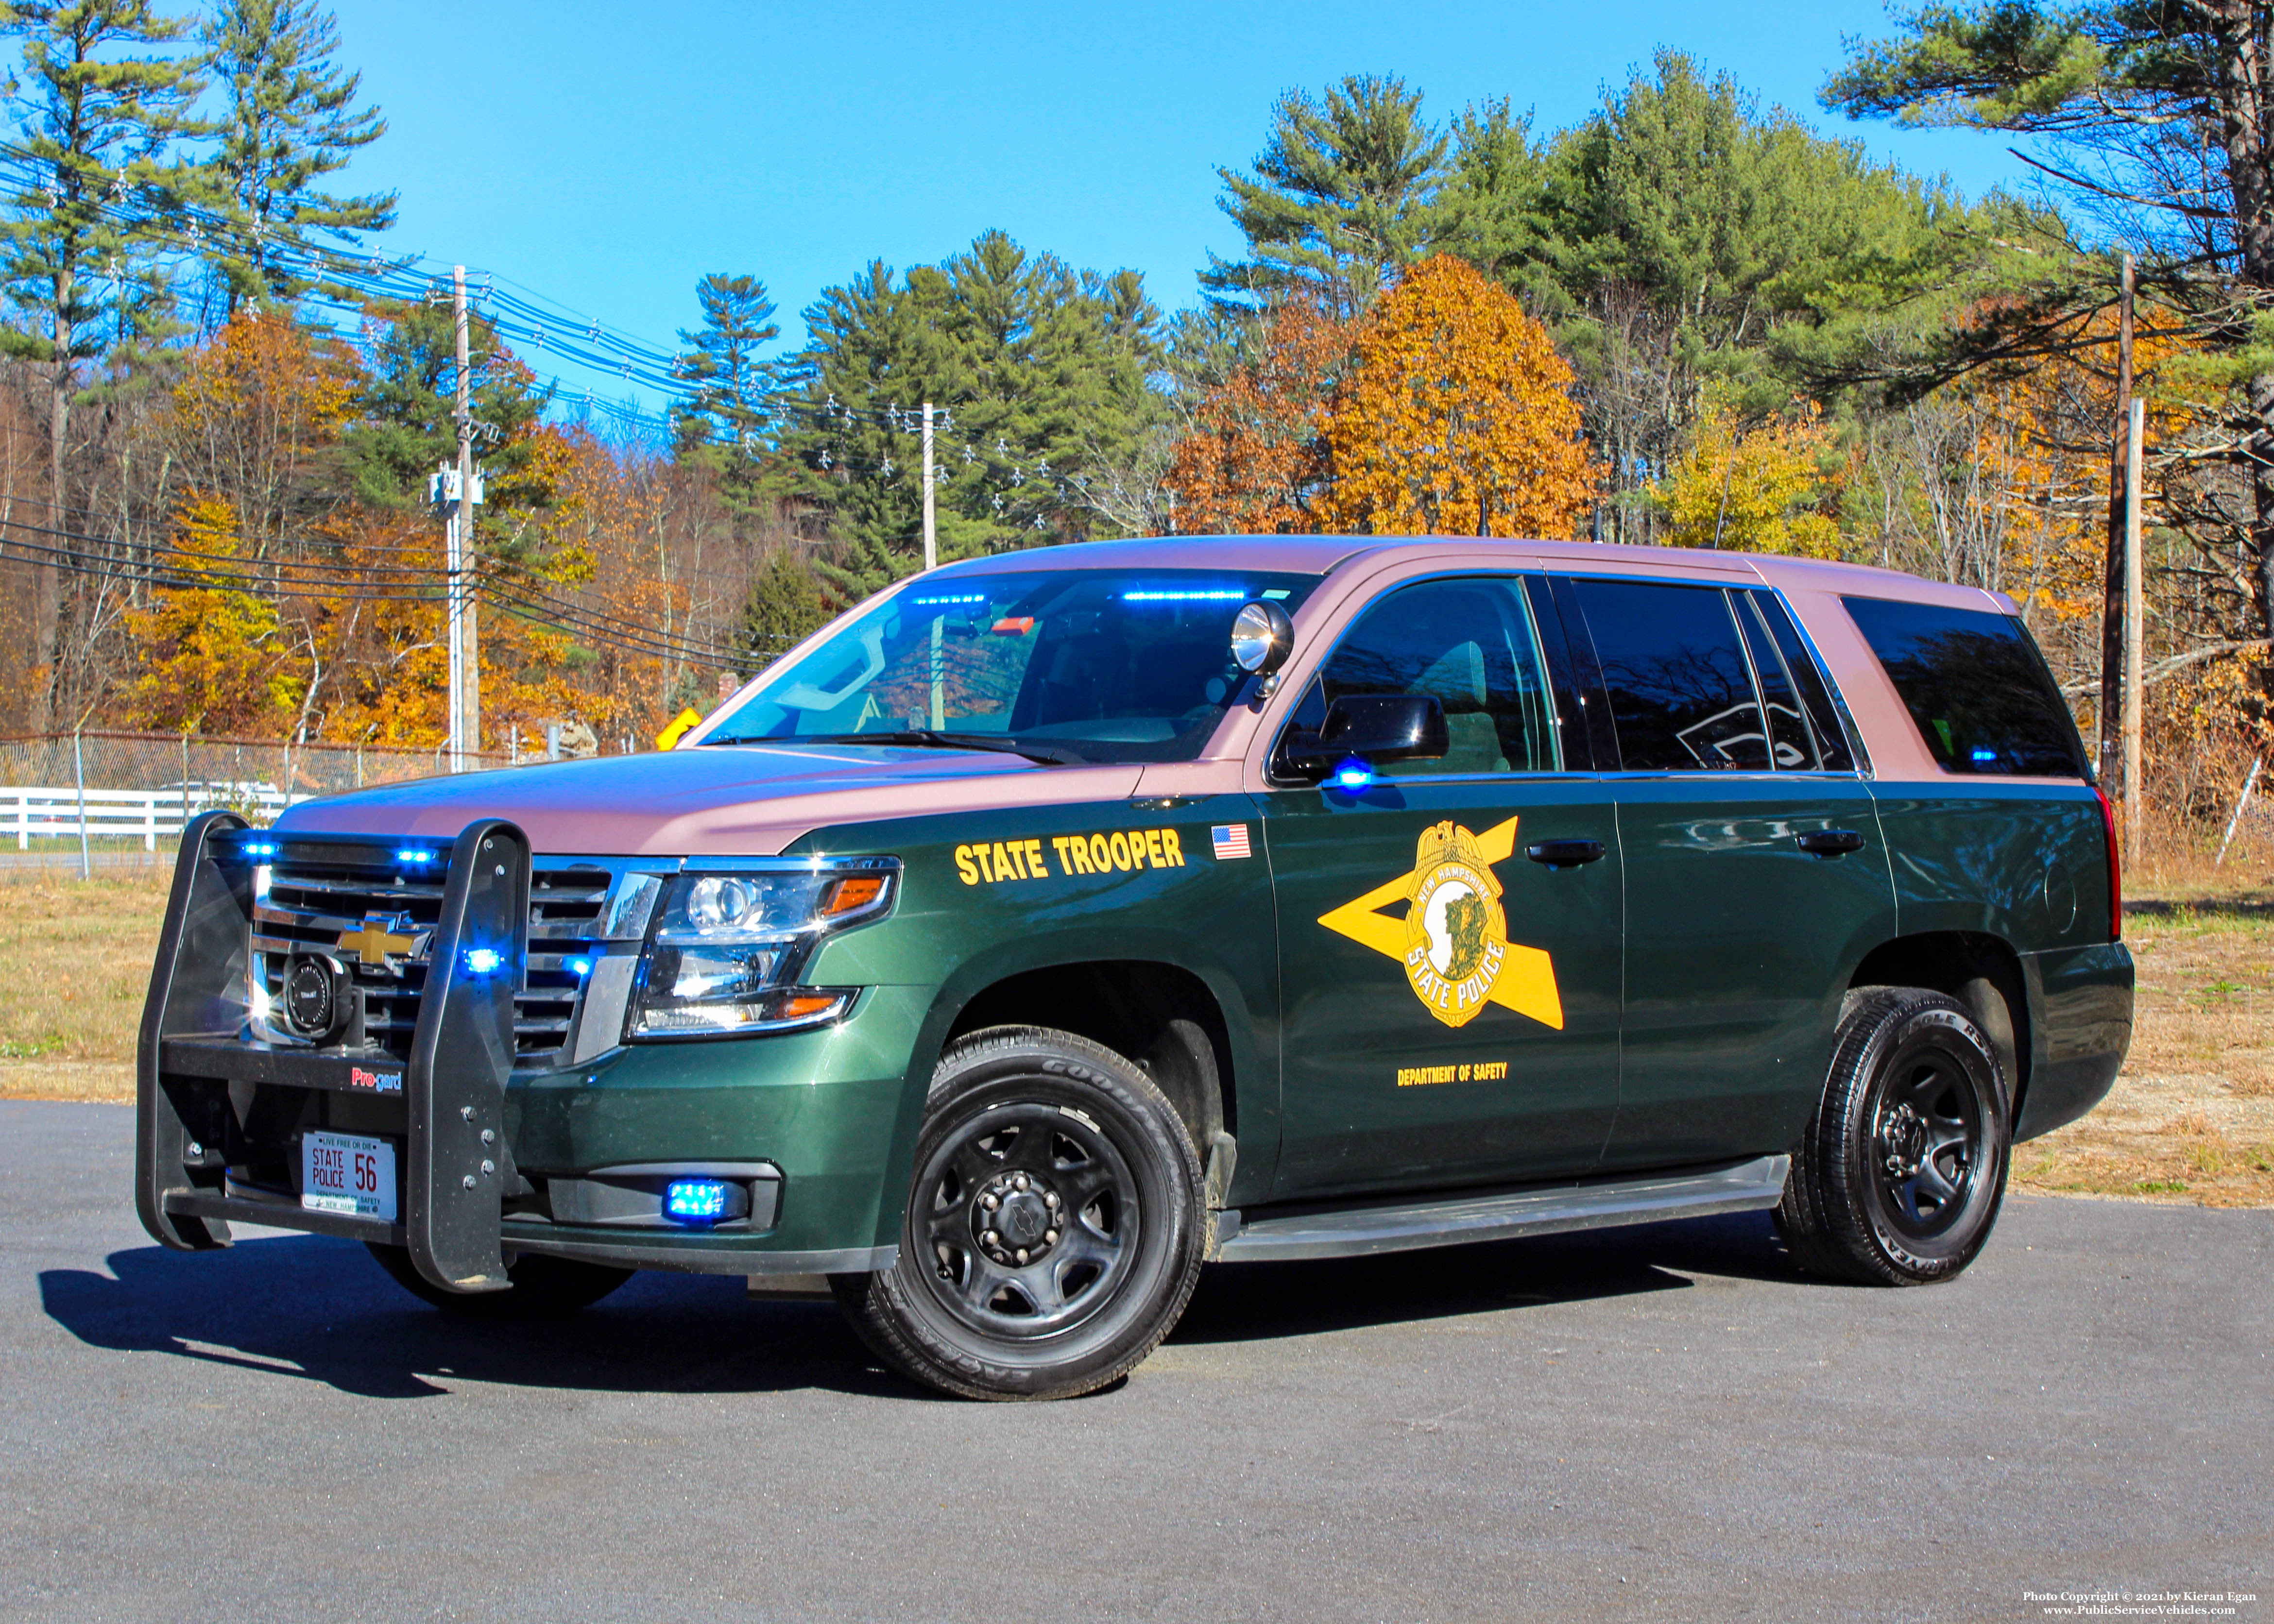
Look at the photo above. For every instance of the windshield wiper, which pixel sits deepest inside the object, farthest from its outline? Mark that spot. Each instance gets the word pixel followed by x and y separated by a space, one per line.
pixel 932 739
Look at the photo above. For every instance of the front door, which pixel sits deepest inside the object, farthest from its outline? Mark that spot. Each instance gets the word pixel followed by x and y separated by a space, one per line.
pixel 1452 1005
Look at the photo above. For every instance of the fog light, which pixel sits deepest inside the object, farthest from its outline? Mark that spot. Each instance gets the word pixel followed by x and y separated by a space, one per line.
pixel 697 1200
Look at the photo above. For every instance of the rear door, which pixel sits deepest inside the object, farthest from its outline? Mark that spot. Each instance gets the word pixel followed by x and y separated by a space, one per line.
pixel 1452 1006
pixel 1755 873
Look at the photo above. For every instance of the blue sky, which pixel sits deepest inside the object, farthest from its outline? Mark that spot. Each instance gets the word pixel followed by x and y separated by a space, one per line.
pixel 608 155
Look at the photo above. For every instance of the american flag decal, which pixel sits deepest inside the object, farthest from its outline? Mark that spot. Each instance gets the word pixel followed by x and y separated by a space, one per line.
pixel 1230 841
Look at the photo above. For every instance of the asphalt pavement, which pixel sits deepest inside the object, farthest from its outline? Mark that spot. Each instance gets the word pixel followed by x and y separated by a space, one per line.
pixel 1664 1423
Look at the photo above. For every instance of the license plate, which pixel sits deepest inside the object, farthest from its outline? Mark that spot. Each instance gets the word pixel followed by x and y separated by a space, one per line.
pixel 348 1173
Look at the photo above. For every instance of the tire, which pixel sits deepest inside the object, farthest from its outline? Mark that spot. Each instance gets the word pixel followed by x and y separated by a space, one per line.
pixel 1899 1176
pixel 1023 1127
pixel 543 1287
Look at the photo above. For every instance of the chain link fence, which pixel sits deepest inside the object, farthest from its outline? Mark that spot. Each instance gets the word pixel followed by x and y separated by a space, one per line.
pixel 215 772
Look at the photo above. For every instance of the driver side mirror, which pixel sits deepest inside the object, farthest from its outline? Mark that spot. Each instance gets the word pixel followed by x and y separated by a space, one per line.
pixel 1373 727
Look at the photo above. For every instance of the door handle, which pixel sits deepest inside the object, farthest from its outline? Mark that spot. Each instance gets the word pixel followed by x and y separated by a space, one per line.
pixel 1564 853
pixel 1830 842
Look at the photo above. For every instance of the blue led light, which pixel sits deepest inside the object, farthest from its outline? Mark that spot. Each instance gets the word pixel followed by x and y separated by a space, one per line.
pixel 695 1200
pixel 260 848
pixel 1197 596
pixel 579 968
pixel 1981 754
pixel 483 961
pixel 1354 774
pixel 411 856
pixel 965 598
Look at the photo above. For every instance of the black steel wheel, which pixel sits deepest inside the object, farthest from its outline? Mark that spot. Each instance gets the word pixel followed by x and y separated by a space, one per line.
pixel 1054 1227
pixel 1901 1175
pixel 543 1287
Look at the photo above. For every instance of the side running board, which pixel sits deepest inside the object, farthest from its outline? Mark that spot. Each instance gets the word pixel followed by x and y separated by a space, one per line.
pixel 1349 1232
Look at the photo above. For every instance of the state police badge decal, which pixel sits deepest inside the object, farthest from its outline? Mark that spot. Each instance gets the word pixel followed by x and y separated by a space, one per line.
pixel 1455 932
pixel 1453 940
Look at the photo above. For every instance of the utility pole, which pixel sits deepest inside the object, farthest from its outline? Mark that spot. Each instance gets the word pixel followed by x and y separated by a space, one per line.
pixel 931 524
pixel 931 561
pixel 465 642
pixel 2135 789
pixel 2112 612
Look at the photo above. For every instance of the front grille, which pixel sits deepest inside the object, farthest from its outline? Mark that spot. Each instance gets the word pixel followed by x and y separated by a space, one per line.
pixel 322 890
pixel 564 924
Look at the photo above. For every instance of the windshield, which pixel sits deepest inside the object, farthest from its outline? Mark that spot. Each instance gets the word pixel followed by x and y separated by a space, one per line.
pixel 1079 664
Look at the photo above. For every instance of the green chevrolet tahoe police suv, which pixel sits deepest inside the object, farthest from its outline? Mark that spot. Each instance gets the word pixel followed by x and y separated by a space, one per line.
pixel 1057 922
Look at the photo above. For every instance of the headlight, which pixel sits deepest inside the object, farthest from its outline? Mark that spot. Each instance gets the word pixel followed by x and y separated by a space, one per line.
pixel 727 948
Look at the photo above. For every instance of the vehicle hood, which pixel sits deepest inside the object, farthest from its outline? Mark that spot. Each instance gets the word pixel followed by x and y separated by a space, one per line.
pixel 748 800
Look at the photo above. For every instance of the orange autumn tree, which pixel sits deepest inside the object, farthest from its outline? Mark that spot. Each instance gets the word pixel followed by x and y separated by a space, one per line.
pixel 1254 462
pixel 1457 417
pixel 255 420
pixel 214 657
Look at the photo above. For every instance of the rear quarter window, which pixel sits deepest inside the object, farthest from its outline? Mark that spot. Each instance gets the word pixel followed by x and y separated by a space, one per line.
pixel 1976 685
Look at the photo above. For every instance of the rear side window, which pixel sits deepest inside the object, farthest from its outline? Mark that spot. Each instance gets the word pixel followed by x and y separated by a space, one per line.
pixel 1823 719
pixel 1674 665
pixel 1976 685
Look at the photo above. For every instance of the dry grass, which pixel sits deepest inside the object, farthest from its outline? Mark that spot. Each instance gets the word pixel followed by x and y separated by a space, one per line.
pixel 74 968
pixel 2191 1120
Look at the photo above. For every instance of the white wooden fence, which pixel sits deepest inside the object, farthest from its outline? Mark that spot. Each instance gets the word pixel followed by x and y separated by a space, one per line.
pixel 148 813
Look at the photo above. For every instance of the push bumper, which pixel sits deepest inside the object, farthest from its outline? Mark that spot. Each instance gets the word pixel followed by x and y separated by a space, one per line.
pixel 569 1163
pixel 196 1081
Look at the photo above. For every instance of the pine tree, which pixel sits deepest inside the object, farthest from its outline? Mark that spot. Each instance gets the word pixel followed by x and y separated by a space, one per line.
pixel 1037 371
pixel 2154 115
pixel 291 120
pixel 786 606
pixel 101 100
pixel 405 429
pixel 732 406
pixel 1344 194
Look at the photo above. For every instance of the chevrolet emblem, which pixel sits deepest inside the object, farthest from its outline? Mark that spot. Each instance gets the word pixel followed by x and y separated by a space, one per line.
pixel 376 939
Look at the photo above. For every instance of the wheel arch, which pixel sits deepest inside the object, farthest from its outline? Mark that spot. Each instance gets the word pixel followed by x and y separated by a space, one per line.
pixel 1062 980
pixel 1161 1016
pixel 1981 971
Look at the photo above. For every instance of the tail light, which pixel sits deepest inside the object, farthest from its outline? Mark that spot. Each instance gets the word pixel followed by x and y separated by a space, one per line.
pixel 2115 868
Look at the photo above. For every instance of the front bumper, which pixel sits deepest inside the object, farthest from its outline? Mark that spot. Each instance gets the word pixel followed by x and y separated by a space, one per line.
pixel 806 1122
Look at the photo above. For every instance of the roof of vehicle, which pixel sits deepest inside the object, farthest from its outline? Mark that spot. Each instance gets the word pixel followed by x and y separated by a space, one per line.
pixel 1320 554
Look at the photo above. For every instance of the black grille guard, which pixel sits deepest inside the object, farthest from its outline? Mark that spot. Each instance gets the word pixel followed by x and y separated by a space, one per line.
pixel 456 1167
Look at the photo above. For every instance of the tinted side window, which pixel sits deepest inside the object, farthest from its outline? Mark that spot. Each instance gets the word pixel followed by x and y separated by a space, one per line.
pixel 1789 744
pixel 1681 694
pixel 1823 718
pixel 1467 643
pixel 1977 687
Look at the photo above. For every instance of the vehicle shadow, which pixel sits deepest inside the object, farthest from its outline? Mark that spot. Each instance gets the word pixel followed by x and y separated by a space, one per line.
pixel 308 1308
pixel 321 1310
pixel 1251 1302
pixel 2257 906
